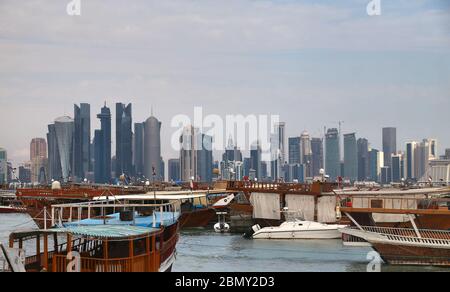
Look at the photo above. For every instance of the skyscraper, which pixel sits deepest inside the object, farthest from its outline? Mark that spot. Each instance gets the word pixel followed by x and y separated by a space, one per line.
pixel 102 147
pixel 196 159
pixel 426 151
pixel 294 150
pixel 38 148
pixel 152 149
pixel 3 166
pixel 54 161
pixel 363 159
pixel 255 160
pixel 396 168
pixel 124 138
pixel 350 157
pixel 410 160
pixel 138 154
pixel 65 127
pixel 317 156
pixel 447 153
pixel 389 144
pixel 174 170
pixel 278 149
pixel 376 162
pixel 333 156
pixel 82 140
pixel 232 152
pixel 306 153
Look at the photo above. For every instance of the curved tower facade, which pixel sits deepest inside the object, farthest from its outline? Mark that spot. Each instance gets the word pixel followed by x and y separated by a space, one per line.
pixel 64 127
pixel 152 149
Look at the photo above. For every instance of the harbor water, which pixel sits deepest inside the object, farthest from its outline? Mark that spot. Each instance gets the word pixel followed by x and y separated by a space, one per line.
pixel 202 250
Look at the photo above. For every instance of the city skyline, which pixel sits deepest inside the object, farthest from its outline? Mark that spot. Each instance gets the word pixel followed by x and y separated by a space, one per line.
pixel 325 62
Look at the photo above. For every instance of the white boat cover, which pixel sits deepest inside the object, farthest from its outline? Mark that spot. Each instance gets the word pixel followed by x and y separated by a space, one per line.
pixel 266 206
pixel 303 204
pixel 326 209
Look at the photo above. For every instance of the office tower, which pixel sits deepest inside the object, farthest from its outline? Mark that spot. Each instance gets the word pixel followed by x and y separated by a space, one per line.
pixel 306 153
pixel 232 152
pixel 38 160
pixel 350 157
pixel 138 153
pixel 64 127
pixel 162 167
pixel 255 160
pixel 389 144
pixel 174 170
pixel 410 160
pixel 281 133
pixel 386 175
pixel 124 137
pixel 38 148
pixel 102 148
pixel 447 154
pixel 82 140
pixel 376 162
pixel 196 157
pixel 363 159
pixel 396 168
pixel 333 155
pixel 54 161
pixel 264 174
pixel 152 149
pixel 426 152
pixel 294 150
pixel 205 159
pixel 25 173
pixel 3 166
pixel 317 156
pixel 247 167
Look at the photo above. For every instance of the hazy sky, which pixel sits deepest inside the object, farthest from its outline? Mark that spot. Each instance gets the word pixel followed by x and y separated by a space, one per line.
pixel 312 62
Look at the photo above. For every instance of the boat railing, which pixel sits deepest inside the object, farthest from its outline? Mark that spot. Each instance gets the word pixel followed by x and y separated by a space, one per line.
pixel 142 263
pixel 395 203
pixel 410 235
pixel 102 208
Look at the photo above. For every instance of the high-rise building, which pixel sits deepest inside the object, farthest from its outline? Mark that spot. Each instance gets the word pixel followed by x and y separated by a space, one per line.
pixel 278 149
pixel 65 127
pixel 138 153
pixel 306 153
pixel 102 148
pixel 396 169
pixel 376 162
pixel 38 148
pixel 294 150
pixel 3 166
pixel 410 160
pixel 232 152
pixel 447 154
pixel 174 170
pixel 196 159
pixel 386 175
pixel 205 159
pixel 350 157
pixel 363 159
pixel 255 160
pixel 426 152
pixel 317 156
pixel 152 149
pixel 389 144
pixel 124 138
pixel 82 140
pixel 333 154
pixel 25 173
pixel 39 161
pixel 54 161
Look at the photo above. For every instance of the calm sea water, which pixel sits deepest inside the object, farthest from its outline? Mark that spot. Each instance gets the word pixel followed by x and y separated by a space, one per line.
pixel 205 251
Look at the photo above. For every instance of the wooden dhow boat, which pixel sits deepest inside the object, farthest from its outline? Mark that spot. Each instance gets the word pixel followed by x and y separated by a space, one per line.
pixel 127 237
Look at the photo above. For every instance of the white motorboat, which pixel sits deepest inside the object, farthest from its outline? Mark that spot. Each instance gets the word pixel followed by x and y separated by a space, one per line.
pixel 298 229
